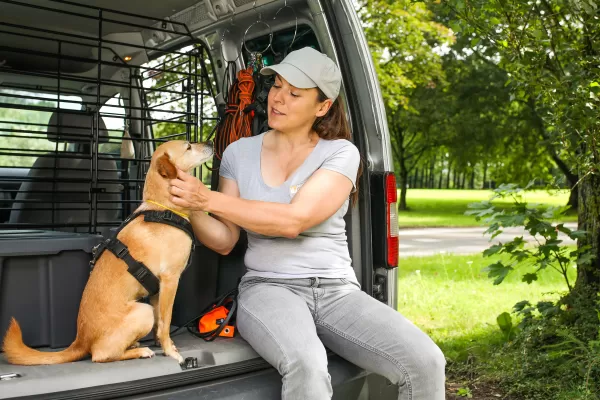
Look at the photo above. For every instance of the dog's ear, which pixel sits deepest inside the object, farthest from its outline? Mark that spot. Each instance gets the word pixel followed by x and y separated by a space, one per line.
pixel 165 167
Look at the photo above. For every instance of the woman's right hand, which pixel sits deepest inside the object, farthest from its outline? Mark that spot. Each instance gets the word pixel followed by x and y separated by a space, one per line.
pixel 216 233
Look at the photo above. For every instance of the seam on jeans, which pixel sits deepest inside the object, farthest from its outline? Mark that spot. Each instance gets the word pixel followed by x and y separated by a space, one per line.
pixel 372 350
pixel 316 299
pixel 285 356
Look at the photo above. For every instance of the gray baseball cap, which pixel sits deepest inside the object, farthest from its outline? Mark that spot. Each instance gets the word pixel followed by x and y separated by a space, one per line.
pixel 308 68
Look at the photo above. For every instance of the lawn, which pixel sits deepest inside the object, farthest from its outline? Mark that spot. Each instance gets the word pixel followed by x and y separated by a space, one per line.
pixel 446 207
pixel 456 304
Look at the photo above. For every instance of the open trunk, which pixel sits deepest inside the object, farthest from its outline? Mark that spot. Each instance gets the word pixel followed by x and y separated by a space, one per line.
pixel 87 90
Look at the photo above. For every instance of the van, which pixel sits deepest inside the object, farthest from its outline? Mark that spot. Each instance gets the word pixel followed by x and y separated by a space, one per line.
pixel 88 89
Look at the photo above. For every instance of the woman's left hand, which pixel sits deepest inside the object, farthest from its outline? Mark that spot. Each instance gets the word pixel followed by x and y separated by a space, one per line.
pixel 189 192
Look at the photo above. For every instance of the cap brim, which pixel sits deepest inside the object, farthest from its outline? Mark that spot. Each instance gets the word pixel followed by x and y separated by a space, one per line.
pixel 291 74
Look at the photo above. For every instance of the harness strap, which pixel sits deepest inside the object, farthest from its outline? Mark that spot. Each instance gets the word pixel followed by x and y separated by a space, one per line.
pixel 136 268
pixel 139 271
pixel 169 218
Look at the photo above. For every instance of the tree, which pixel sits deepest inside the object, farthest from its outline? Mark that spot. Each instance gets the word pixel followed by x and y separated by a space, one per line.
pixel 550 51
pixel 473 122
pixel 403 40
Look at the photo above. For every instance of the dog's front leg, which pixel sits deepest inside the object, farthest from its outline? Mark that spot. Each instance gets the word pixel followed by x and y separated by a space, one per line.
pixel 168 289
pixel 154 303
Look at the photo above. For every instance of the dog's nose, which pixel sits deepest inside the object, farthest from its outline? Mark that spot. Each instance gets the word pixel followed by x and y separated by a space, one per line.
pixel 209 143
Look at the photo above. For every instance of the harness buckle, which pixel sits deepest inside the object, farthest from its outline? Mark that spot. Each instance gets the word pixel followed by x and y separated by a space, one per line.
pixel 167 215
pixel 122 252
pixel 140 273
pixel 97 251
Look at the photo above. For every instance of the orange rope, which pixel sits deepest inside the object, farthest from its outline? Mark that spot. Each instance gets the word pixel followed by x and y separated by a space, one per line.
pixel 236 124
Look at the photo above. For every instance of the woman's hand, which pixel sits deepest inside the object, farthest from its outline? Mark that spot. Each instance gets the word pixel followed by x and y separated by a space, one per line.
pixel 189 192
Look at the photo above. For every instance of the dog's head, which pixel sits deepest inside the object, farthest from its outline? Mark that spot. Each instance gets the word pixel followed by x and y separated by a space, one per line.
pixel 179 154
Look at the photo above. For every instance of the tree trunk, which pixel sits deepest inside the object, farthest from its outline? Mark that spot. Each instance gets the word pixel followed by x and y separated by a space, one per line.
pixel 440 180
pixel 571 177
pixel 571 181
pixel 421 178
pixel 416 183
pixel 472 180
pixel 448 176
pixel 399 152
pixel 583 299
pixel 403 186
pixel 431 180
pixel 485 168
pixel 589 220
pixel 573 197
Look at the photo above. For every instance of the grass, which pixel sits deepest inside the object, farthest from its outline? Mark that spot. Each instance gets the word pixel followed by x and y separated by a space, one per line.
pixel 446 207
pixel 456 304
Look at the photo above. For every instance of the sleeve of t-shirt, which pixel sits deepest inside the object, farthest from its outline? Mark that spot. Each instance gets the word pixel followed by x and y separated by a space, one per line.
pixel 345 160
pixel 228 167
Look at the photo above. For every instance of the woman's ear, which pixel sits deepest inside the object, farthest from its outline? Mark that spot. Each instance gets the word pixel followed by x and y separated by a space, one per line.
pixel 324 108
pixel 165 167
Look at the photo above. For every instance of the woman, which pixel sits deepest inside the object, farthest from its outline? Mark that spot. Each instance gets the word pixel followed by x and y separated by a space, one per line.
pixel 290 188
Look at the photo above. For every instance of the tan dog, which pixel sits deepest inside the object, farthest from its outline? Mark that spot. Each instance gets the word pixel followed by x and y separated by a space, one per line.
pixel 110 320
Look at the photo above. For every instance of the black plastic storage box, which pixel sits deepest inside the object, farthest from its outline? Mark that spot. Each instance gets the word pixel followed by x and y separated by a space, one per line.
pixel 42 277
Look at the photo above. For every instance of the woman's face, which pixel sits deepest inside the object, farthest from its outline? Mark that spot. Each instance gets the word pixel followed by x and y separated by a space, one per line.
pixel 291 108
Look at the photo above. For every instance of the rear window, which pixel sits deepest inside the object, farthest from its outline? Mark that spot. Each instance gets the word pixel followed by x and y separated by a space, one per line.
pixel 23 129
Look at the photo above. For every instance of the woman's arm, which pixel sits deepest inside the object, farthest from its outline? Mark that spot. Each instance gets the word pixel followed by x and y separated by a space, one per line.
pixel 318 199
pixel 216 233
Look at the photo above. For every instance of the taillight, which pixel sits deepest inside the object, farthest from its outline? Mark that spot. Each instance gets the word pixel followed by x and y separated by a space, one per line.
pixel 391 196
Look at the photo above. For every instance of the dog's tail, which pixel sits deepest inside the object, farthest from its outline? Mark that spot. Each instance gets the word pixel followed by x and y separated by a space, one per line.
pixel 17 352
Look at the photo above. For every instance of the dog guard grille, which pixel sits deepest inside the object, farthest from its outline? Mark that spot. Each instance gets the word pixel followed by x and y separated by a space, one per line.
pixel 81 113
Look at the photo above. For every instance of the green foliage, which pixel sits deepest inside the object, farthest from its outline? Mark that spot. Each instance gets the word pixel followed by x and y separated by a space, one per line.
pixel 550 347
pixel 555 338
pixel 402 37
pixel 548 251
pixel 459 310
pixel 549 49
pixel 464 392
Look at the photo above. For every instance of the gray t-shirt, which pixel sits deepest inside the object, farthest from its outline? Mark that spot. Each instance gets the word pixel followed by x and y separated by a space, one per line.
pixel 321 251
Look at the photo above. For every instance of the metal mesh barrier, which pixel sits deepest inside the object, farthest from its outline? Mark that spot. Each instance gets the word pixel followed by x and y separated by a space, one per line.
pixel 81 113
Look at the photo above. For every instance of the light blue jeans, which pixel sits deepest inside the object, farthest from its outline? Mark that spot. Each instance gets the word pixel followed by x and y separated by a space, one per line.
pixel 290 321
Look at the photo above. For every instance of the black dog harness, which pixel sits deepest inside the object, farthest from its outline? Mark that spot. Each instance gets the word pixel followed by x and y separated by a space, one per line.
pixel 136 268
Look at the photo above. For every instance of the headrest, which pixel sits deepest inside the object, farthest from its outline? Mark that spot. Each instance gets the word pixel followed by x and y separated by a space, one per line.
pixel 71 125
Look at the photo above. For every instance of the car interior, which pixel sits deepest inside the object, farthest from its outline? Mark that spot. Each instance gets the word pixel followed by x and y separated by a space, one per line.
pixel 87 92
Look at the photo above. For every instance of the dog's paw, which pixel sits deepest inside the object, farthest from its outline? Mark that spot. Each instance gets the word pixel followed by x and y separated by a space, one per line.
pixel 171 351
pixel 145 352
pixel 174 354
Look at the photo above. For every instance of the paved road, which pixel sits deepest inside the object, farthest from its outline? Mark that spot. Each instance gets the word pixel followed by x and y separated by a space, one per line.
pixel 428 241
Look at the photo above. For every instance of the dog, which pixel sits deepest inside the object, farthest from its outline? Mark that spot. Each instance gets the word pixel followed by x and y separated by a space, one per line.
pixel 110 321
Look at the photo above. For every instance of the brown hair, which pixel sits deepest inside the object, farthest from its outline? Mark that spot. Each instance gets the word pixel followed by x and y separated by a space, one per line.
pixel 334 125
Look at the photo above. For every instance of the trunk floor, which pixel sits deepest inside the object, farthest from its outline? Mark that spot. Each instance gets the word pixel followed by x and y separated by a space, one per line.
pixel 84 374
